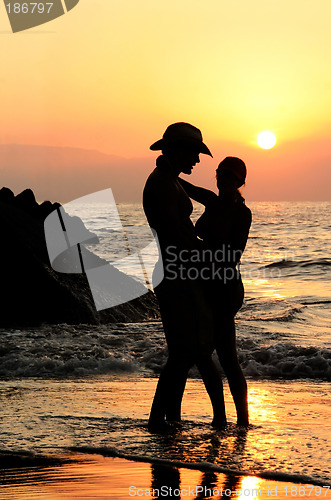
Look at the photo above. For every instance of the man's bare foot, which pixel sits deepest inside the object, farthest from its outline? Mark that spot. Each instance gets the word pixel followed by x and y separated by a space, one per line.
pixel 159 427
pixel 219 424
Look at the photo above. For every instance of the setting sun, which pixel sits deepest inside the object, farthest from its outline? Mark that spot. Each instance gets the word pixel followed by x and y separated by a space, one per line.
pixel 266 140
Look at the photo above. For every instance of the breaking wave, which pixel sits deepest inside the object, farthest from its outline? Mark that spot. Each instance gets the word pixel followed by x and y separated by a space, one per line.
pixel 66 351
pixel 287 361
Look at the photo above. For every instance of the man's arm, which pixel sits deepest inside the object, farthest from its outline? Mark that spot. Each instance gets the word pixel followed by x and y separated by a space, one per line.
pixel 199 194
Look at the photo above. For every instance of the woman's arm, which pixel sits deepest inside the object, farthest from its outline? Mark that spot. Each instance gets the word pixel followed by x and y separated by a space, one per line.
pixel 242 230
pixel 202 195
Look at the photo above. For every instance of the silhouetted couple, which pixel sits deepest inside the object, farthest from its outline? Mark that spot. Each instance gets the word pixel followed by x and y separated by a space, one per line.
pixel 202 289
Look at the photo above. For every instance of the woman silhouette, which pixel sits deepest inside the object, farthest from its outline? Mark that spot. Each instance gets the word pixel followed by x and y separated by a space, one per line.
pixel 224 228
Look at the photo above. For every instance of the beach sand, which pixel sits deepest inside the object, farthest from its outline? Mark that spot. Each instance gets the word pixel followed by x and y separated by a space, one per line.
pixel 98 477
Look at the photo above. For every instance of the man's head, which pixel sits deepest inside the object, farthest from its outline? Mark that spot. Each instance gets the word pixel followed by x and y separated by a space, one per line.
pixel 181 144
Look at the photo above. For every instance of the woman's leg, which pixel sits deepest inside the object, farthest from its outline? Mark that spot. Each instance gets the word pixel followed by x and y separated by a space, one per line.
pixel 227 352
pixel 214 386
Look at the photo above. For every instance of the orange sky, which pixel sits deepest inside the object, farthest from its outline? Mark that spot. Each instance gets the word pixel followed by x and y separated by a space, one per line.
pixel 110 76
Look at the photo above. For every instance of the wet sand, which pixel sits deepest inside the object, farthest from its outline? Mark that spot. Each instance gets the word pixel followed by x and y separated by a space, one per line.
pixel 96 477
pixel 103 426
pixel 290 431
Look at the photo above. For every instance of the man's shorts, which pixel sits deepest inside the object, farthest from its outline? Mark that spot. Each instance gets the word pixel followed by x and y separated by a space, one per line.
pixel 186 317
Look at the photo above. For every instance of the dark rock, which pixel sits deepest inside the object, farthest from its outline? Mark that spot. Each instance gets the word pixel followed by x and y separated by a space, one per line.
pixel 27 202
pixel 32 292
pixel 6 195
pixel 45 209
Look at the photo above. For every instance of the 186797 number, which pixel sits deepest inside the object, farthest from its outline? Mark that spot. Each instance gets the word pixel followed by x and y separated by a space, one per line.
pixel 29 8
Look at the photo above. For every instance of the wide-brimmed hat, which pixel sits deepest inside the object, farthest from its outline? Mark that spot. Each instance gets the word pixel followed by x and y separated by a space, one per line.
pixel 181 133
pixel 234 165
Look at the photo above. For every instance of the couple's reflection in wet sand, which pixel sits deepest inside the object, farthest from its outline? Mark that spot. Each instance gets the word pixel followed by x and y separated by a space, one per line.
pixel 172 482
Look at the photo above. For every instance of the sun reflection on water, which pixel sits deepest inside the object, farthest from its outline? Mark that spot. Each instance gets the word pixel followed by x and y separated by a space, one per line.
pixel 259 405
pixel 266 288
pixel 250 487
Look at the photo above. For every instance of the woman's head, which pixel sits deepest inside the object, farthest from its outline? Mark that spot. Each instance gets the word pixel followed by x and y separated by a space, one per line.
pixel 231 173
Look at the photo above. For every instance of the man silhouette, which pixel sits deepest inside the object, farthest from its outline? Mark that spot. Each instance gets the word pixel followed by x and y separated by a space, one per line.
pixel 185 314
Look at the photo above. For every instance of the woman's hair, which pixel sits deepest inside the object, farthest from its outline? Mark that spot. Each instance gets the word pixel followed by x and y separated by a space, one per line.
pixel 237 168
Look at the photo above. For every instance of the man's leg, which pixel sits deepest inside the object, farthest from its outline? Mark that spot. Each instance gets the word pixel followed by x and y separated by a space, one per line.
pixel 169 391
pixel 178 326
pixel 174 407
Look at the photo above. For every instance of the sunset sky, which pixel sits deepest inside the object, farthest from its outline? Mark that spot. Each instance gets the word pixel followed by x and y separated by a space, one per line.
pixel 110 76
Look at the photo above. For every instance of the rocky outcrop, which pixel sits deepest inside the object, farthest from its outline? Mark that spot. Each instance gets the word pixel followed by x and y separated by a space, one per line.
pixel 32 292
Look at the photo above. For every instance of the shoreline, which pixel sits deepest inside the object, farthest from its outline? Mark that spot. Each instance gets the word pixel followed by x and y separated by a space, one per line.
pixel 201 466
pixel 80 475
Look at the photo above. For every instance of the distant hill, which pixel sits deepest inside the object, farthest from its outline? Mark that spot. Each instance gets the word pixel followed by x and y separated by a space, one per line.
pixel 298 171
pixel 63 174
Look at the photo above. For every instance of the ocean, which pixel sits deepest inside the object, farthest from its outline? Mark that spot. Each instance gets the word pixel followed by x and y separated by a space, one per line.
pixel 89 388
